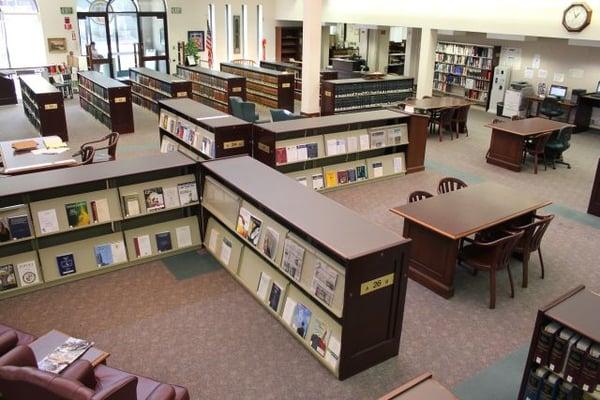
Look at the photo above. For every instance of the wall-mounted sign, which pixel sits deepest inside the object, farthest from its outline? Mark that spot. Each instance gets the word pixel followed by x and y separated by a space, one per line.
pixel 66 10
pixel 176 10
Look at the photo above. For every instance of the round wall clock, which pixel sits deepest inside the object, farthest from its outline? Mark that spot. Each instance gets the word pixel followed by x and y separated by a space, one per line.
pixel 576 17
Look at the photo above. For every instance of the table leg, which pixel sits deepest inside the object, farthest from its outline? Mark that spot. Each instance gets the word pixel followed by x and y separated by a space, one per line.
pixel 506 150
pixel 432 258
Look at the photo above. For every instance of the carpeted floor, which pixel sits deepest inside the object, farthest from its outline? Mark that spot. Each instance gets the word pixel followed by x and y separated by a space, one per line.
pixel 184 321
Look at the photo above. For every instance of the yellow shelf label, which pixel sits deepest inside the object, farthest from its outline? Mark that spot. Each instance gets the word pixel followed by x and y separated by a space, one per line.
pixel 233 145
pixel 52 106
pixel 236 89
pixel 182 94
pixel 120 99
pixel 264 147
pixel 285 85
pixel 376 284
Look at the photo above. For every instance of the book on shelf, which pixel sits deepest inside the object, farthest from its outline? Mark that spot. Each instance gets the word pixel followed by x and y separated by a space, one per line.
pixel 302 180
pixel 48 221
pixel 100 210
pixel 324 281
pixel 8 278
pixel 377 169
pixel 19 226
pixel 399 165
pixel 263 286
pixel 142 246
pixel 5 235
pixel 331 178
pixel 163 241
pixel 248 226
pixel 562 345
pixel 103 253
pixel 575 360
pixel 28 273
pixel 301 319
pixel 188 194
pixel 545 342
pixel 64 355
pixel 378 138
pixel 351 175
pixel 119 252
pixel 171 197
pixel 184 236
pixel 590 370
pixel 293 258
pixel 66 264
pixel 361 173
pixel 288 310
pixel 213 240
pixel 270 243
pixel 131 204
pixel 154 199
pixel 352 142
pixel 280 155
pixel 77 214
pixel 317 181
pixel 226 247
pixel 318 336
pixel 274 297
pixel 332 355
pixel 342 177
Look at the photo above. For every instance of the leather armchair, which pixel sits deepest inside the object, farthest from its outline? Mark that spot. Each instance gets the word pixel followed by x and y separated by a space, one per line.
pixel 8 340
pixel 23 338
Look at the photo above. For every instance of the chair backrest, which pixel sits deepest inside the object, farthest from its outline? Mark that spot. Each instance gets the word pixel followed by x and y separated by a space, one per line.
pixel 32 383
pixel 537 230
pixel 283 115
pixel 446 115
pixel 87 155
pixel 418 196
pixel 505 247
pixel 248 111
pixel 450 184
pixel 564 136
pixel 549 104
pixel 236 108
pixel 497 121
pixel 463 113
pixel 540 141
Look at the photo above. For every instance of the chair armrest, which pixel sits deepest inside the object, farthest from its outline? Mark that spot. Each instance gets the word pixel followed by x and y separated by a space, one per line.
pixel 123 389
pixel 82 371
pixel 20 356
pixel 8 340
pixel 162 392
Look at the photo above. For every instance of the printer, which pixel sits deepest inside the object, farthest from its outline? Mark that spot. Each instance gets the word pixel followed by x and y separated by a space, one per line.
pixel 516 99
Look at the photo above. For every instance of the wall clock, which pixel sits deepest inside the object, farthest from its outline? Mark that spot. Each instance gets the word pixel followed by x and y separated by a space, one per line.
pixel 576 17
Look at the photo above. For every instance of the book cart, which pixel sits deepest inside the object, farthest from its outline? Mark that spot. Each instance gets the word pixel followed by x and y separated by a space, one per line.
pixel 341 295
pixel 74 223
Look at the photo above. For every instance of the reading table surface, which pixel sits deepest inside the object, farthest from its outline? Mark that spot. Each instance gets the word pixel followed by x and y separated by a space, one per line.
pixel 46 344
pixel 436 103
pixel 22 162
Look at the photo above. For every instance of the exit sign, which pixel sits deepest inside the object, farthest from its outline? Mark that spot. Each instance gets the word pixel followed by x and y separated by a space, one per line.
pixel 66 10
pixel 176 10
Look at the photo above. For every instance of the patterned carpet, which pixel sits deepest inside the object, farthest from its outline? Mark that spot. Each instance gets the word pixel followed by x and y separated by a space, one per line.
pixel 204 331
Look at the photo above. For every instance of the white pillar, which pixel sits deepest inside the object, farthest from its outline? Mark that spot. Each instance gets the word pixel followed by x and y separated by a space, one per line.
pixel 311 57
pixel 426 62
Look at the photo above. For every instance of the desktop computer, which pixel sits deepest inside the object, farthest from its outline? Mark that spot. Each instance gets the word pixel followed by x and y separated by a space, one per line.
pixel 558 92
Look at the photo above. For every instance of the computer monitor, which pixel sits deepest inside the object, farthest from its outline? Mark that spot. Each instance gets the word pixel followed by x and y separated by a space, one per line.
pixel 598 87
pixel 560 92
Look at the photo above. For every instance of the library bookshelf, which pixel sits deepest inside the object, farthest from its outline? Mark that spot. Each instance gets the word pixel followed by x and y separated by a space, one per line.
pixel 325 153
pixel 296 69
pixel 273 89
pixel 213 88
pixel 149 86
pixel 288 43
pixel 108 100
pixel 341 295
pixel 396 57
pixel 200 131
pixel 465 70
pixel 564 356
pixel 74 223
pixel 44 106
pixel 358 94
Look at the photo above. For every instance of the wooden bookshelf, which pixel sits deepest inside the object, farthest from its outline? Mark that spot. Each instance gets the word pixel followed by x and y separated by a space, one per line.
pixel 396 57
pixel 108 100
pixel 348 95
pixel 149 86
pixel 332 152
pixel 465 70
pixel 44 106
pixel 213 88
pixel 565 348
pixel 36 196
pixel 200 131
pixel 288 43
pixel 356 321
pixel 8 93
pixel 296 69
pixel 273 89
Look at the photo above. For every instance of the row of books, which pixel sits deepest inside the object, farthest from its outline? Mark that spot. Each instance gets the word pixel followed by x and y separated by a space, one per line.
pixel 210 102
pixel 93 87
pixel 472 94
pixel 261 95
pixel 271 91
pixel 460 70
pixel 544 384
pixel 143 247
pixel 375 87
pixel 150 82
pixel 148 93
pixel 191 134
pixel 143 102
pixel 464 49
pixel 204 79
pixel 468 83
pixel 572 356
pixel 261 99
pixel 362 102
pixel 476 62
pixel 209 92
pixel 99 103
pixel 160 198
pixel 252 76
pixel 96 113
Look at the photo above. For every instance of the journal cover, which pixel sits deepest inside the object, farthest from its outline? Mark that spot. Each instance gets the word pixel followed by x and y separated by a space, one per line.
pixel 187 193
pixel 171 197
pixel 142 246
pixel 331 178
pixel 377 138
pixel 48 221
pixel 274 297
pixel 263 286
pixel 317 181
pixel 154 199
pixel 324 281
pixel 280 156
pixel 19 226
pixel 293 258
pixel 302 180
pixel 28 273
pixel 269 246
pixel 301 319
pixel 351 175
pixel 318 336
pixel 377 170
pixel 184 236
pixel 100 211
pixel 77 214
pixel 342 177
pixel 8 279
pixel 131 204
pixel 163 241
pixel 313 150
pixel 66 264
pixel 103 254
pixel 361 172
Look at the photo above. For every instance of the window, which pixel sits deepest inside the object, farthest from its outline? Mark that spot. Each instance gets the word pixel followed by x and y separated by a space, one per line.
pixel 229 31
pixel 259 31
pixel 244 31
pixel 21 36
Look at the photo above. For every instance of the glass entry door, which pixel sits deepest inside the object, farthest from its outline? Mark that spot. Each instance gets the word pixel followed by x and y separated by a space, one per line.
pixel 123 39
pixel 153 33
pixel 93 27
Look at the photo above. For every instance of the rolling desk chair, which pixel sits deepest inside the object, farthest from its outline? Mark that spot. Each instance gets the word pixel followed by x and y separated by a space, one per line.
pixel 551 108
pixel 557 145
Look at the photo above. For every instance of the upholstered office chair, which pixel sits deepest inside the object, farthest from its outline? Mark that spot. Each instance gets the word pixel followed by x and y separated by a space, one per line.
pixel 551 108
pixel 283 115
pixel 531 241
pixel 418 196
pixel 450 184
pixel 491 256
pixel 111 140
pixel 235 105
pixel 557 144
pixel 536 148
pixel 245 110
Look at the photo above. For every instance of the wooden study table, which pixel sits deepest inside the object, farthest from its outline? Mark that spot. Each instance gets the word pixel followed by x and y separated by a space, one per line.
pixel 423 387
pixel 508 139
pixel 23 162
pixel 47 343
pixel 435 103
pixel 436 226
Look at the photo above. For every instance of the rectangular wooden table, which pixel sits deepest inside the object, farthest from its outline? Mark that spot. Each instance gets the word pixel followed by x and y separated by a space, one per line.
pixel 23 162
pixel 508 139
pixel 436 103
pixel 47 343
pixel 436 226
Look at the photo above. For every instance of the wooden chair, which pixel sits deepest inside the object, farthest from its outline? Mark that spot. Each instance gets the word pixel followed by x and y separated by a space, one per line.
pixel 450 184
pixel 418 196
pixel 491 257
pixel 459 120
pixel 111 146
pixel 537 148
pixel 242 61
pixel 87 155
pixel 531 241
pixel 443 120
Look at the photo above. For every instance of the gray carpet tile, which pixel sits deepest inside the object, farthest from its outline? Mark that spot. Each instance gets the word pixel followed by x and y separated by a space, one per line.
pixel 207 333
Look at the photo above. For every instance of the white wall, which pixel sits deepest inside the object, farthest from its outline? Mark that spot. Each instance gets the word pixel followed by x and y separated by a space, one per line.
pixel 193 17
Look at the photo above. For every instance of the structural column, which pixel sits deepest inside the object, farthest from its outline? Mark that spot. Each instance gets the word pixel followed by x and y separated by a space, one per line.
pixel 426 62
pixel 311 56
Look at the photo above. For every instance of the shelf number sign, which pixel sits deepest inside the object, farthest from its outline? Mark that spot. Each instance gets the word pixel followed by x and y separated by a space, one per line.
pixel 376 284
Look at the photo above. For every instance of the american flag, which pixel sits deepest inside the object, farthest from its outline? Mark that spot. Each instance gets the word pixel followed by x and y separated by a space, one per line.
pixel 209 50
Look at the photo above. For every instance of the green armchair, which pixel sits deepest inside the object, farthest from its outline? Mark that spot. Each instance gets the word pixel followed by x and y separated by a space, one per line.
pixel 243 109
pixel 283 115
pixel 559 143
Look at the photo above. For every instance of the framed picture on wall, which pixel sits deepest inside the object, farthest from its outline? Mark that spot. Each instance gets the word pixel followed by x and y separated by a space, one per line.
pixel 236 34
pixel 198 38
pixel 57 45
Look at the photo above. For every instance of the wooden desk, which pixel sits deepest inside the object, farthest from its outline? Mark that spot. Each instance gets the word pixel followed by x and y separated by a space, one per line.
pixel 423 387
pixel 594 206
pixel 19 163
pixel 436 103
pixel 436 226
pixel 46 344
pixel 508 139
pixel 585 106
pixel 537 100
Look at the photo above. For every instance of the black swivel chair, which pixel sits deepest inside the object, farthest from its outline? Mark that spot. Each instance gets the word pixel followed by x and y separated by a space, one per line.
pixel 557 145
pixel 551 108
